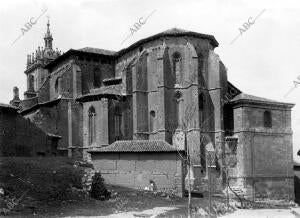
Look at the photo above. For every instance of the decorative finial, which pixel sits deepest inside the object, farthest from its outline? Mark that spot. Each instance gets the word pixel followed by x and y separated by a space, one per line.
pixel 32 58
pixel 48 26
pixel 48 37
pixel 16 93
pixel 28 60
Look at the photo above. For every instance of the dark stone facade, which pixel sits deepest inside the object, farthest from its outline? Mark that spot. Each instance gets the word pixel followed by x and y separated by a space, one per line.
pixel 20 137
pixel 172 87
pixel 264 151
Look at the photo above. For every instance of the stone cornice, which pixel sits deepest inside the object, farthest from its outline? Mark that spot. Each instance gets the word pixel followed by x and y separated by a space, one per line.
pixel 261 104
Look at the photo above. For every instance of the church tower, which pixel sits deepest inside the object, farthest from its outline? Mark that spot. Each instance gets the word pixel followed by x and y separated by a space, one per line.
pixel 35 72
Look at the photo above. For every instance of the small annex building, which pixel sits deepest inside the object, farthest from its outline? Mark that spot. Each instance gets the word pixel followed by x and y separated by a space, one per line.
pixel 135 164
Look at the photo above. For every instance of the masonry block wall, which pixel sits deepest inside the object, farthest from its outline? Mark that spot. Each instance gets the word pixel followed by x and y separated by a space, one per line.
pixel 264 153
pixel 94 69
pixel 53 118
pixel 61 81
pixel 135 170
pixel 174 102
pixel 20 137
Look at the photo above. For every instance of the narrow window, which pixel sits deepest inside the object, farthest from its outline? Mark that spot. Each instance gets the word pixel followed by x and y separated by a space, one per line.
pixel 36 84
pixel 152 120
pixel 56 85
pixel 177 67
pixel 97 78
pixel 201 63
pixel 267 119
pixel 118 123
pixel 92 125
pixel 31 83
pixel 201 108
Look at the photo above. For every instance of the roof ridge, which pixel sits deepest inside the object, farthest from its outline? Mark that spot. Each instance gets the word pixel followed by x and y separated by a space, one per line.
pixel 138 146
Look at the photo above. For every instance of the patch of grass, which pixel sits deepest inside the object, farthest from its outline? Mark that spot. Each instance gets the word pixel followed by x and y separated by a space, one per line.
pixel 44 178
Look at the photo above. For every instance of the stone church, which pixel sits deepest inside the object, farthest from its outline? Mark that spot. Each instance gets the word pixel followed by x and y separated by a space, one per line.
pixel 170 88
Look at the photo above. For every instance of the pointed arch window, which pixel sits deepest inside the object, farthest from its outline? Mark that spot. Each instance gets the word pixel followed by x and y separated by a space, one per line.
pixel 267 119
pixel 118 123
pixel 31 83
pixel 152 120
pixel 177 65
pixel 56 85
pixel 92 125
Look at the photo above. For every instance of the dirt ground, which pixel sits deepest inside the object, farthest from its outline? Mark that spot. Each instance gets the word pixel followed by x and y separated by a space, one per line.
pixel 123 200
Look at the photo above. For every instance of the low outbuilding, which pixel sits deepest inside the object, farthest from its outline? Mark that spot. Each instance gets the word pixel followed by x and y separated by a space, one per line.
pixel 141 164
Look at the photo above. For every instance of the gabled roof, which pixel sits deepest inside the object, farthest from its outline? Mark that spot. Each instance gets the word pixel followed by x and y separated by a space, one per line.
pixel 137 146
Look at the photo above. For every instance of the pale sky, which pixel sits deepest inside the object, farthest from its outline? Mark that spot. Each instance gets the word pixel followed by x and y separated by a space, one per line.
pixel 263 61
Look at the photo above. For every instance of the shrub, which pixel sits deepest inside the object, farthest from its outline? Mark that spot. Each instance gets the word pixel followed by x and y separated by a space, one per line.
pixel 98 190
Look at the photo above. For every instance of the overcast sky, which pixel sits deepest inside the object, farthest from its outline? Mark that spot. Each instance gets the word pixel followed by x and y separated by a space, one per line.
pixel 262 61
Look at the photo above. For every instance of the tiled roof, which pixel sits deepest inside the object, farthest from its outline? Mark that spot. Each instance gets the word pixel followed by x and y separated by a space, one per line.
pixel 137 146
pixel 38 105
pixel 252 98
pixel 54 135
pixel 115 90
pixel 97 51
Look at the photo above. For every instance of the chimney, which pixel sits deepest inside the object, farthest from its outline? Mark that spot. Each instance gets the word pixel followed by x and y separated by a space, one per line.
pixel 16 93
pixel 16 100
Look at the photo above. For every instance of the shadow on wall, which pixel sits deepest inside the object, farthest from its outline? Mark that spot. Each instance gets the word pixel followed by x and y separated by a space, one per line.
pixel 297 189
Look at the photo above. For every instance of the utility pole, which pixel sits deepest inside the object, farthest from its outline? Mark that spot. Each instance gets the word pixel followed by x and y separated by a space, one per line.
pixel 209 182
pixel 189 174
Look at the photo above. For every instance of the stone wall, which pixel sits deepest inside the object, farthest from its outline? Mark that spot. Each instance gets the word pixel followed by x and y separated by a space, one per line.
pixel 150 70
pixel 101 123
pixel 135 170
pixel 264 166
pixel 54 117
pixel 20 137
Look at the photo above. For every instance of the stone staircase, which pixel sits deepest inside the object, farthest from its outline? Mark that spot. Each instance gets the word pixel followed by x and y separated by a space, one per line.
pixel 237 192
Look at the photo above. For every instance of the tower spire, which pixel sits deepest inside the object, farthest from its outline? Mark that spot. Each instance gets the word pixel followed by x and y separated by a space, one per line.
pixel 48 37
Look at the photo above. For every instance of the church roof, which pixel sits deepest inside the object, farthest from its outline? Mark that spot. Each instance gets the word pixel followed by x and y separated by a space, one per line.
pixel 112 90
pixel 174 32
pixel 137 146
pixel 170 32
pixel 242 97
pixel 97 51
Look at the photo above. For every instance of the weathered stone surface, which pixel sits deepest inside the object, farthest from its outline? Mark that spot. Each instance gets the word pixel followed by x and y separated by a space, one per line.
pixel 139 177
pixel 170 87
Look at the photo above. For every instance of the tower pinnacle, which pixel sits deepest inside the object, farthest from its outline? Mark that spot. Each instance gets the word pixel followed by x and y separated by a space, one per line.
pixel 48 37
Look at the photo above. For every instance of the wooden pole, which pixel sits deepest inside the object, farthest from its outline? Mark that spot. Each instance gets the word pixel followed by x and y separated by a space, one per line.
pixel 189 177
pixel 209 182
